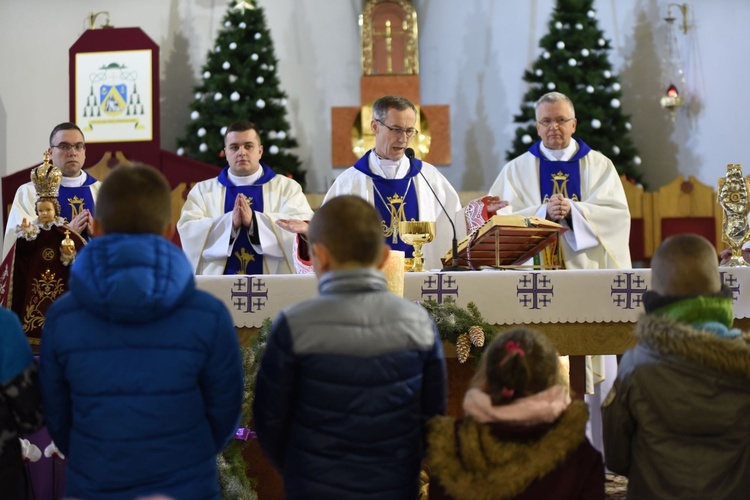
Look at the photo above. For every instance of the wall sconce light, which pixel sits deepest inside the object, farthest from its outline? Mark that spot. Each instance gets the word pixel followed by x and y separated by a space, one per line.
pixel 94 15
pixel 673 74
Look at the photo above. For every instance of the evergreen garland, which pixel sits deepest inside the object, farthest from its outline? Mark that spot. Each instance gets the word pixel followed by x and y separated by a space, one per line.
pixel 233 479
pixel 454 321
pixel 574 61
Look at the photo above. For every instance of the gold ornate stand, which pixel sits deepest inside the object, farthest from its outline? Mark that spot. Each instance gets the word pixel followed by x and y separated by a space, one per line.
pixel 734 200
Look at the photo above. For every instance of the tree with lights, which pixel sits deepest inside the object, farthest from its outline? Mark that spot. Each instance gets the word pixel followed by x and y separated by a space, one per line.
pixel 240 82
pixel 574 61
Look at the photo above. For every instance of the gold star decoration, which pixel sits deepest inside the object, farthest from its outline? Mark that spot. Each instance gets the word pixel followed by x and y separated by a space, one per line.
pixel 243 5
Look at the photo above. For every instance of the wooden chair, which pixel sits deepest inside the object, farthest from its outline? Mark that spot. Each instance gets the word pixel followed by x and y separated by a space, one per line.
pixel 641 208
pixel 687 206
pixel 107 162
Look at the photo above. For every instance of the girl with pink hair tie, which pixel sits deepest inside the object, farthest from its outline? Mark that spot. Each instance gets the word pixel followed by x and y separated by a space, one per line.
pixel 521 437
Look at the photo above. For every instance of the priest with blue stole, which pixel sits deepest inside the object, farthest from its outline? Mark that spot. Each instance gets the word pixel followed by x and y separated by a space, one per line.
pixel 401 188
pixel 562 179
pixel 228 223
pixel 77 193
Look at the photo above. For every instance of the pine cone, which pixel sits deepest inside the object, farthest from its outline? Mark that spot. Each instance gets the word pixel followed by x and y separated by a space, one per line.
pixel 463 346
pixel 476 334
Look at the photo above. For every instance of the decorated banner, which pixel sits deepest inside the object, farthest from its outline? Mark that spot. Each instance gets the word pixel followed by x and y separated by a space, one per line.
pixel 113 101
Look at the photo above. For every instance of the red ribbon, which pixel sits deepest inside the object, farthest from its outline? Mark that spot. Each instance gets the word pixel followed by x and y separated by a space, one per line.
pixel 513 346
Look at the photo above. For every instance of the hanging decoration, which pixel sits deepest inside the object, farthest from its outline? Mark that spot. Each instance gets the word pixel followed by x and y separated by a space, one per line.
pixel 673 78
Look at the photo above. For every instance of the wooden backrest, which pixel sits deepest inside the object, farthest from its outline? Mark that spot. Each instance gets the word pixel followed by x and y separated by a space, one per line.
pixel 687 206
pixel 640 204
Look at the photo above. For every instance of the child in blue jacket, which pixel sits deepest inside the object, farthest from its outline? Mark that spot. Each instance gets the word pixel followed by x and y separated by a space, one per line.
pixel 141 372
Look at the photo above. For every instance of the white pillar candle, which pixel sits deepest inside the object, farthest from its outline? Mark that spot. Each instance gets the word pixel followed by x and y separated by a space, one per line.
pixel 393 268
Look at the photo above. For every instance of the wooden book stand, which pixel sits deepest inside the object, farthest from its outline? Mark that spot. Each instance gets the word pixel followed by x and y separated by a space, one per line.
pixel 507 241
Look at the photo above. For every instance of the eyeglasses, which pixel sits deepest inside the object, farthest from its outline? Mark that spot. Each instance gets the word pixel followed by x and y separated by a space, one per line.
pixel 410 132
pixel 64 146
pixel 547 122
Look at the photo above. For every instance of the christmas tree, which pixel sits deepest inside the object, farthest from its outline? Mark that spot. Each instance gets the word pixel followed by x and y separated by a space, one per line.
pixel 574 61
pixel 240 83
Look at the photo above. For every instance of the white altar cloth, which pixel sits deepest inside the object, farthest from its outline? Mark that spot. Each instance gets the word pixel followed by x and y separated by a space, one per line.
pixel 503 297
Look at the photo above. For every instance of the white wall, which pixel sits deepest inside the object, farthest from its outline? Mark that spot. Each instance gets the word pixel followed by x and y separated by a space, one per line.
pixel 472 56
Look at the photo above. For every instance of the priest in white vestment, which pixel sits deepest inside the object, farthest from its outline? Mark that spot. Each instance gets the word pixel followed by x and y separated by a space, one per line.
pixel 561 179
pixel 77 193
pixel 401 188
pixel 228 224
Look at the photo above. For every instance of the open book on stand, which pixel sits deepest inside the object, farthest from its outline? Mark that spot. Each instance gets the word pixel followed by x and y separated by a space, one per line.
pixel 508 241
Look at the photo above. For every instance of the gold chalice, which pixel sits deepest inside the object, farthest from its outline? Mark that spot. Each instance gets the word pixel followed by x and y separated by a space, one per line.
pixel 417 233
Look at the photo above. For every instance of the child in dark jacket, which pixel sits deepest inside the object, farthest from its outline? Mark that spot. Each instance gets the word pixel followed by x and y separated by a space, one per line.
pixel 141 372
pixel 522 437
pixel 349 378
pixel 20 403
pixel 676 420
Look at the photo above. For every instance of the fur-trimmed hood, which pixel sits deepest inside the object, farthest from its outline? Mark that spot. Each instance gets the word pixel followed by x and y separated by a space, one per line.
pixel 687 381
pixel 682 342
pixel 473 460
pixel 675 421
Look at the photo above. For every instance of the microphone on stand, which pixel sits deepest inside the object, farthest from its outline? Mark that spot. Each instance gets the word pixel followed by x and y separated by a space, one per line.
pixel 409 153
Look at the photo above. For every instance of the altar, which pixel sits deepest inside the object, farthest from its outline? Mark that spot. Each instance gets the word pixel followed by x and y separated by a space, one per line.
pixel 584 312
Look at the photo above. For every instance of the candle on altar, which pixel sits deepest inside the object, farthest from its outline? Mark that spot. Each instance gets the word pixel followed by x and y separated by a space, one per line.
pixel 564 368
pixel 393 268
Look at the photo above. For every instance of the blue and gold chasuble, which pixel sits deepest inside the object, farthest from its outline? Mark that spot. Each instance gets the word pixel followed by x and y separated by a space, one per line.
pixel 395 200
pixel 74 200
pixel 563 177
pixel 559 177
pixel 243 258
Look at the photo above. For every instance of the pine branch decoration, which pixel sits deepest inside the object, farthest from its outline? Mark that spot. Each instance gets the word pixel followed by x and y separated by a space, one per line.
pixel 453 320
pixel 235 485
